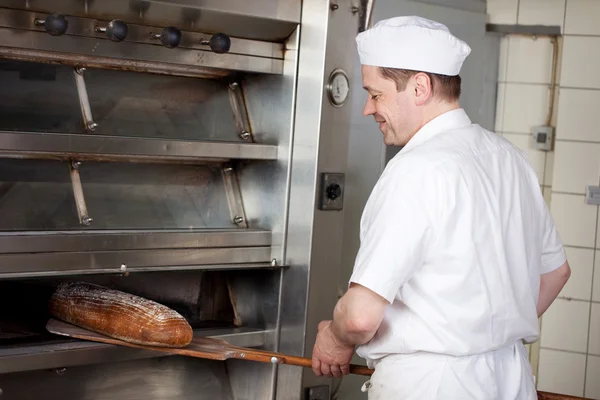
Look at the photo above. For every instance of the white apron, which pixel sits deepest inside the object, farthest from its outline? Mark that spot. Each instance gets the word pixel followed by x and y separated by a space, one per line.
pixel 503 374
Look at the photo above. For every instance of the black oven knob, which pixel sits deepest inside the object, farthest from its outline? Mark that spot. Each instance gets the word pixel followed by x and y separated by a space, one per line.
pixel 170 37
pixel 116 30
pixel 55 24
pixel 220 43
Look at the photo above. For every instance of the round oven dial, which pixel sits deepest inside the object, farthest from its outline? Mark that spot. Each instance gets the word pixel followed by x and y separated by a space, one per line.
pixel 338 88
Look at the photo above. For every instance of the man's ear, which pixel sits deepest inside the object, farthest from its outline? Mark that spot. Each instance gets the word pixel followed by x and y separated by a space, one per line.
pixel 423 88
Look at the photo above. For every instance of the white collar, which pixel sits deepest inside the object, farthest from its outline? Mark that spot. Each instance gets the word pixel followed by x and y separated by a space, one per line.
pixel 449 120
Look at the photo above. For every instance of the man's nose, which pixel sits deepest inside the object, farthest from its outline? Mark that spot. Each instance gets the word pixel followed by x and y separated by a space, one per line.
pixel 369 108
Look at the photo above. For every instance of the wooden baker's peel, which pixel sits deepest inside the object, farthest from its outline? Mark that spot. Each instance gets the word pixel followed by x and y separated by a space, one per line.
pixel 218 349
pixel 200 347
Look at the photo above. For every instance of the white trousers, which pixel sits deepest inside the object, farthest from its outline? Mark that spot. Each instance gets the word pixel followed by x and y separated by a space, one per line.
pixel 503 374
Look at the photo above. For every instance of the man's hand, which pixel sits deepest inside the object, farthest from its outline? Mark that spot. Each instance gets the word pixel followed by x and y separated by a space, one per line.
pixel 330 357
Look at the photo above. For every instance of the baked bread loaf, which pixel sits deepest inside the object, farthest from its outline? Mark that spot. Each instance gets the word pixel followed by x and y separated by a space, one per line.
pixel 119 315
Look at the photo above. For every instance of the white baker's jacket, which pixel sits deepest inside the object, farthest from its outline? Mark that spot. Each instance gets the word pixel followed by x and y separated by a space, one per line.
pixel 455 236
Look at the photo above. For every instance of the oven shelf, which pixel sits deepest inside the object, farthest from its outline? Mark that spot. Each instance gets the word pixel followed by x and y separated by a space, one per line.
pixel 69 353
pixel 64 146
pixel 111 240
pixel 29 254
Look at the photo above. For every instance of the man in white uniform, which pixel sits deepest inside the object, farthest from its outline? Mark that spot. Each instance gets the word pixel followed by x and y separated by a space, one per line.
pixel 459 254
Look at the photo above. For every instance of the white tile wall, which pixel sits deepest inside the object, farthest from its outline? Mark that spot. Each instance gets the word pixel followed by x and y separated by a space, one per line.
pixel 547 191
pixel 502 11
pixel 580 63
pixel 579 286
pixel 499 127
pixel 592 384
pixel 582 17
pixel 525 106
pixel 561 372
pixel 575 220
pixel 529 60
pixel 577 114
pixel 503 58
pixel 576 166
pixel 595 331
pixel 525 69
pixel 565 325
pixel 536 157
pixel 549 173
pixel 596 284
pixel 541 12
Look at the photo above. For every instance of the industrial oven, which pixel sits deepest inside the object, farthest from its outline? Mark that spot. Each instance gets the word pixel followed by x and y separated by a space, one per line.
pixel 189 151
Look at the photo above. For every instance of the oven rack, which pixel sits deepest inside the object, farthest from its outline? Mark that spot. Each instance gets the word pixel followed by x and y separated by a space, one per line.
pixel 73 352
pixel 83 147
pixel 31 253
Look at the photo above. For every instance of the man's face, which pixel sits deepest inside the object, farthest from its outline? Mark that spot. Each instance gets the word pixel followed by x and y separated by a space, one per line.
pixel 396 112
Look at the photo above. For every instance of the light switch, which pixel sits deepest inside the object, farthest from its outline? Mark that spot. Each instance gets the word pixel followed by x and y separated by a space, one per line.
pixel 542 137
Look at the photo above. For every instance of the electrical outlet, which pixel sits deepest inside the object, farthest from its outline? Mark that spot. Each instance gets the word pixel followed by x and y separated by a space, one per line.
pixel 318 393
pixel 542 137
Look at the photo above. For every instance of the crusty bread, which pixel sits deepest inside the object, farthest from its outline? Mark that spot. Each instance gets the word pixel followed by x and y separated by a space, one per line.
pixel 120 315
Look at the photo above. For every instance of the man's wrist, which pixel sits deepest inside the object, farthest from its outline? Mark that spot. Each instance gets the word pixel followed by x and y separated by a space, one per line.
pixel 338 337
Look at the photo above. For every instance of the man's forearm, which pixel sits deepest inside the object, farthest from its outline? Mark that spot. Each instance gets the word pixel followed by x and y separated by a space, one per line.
pixel 550 286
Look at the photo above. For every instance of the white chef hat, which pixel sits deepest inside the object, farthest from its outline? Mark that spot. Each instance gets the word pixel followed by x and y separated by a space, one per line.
pixel 413 43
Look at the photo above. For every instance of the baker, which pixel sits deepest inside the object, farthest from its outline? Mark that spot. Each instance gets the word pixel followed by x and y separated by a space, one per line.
pixel 459 255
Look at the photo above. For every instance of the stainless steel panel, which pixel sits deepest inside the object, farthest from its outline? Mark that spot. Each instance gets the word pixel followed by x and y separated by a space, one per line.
pixel 265 190
pixel 265 186
pixel 39 97
pixel 91 52
pixel 84 147
pixel 133 104
pixel 65 263
pixel 257 301
pixel 119 196
pixel 170 378
pixel 258 19
pixel 320 145
pixel 24 20
pixel 52 241
pixel 70 353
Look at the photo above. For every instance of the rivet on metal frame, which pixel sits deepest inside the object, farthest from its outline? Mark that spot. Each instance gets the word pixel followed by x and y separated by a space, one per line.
pixel 245 135
pixel 274 360
pixel 274 262
pixel 238 220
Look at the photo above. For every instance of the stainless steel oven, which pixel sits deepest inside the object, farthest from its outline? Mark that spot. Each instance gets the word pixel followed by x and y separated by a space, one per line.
pixel 189 151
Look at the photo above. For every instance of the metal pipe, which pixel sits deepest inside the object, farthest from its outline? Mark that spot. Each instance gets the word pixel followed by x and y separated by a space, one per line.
pixel 238 105
pixel 234 197
pixel 84 100
pixel 84 218
pixel 365 14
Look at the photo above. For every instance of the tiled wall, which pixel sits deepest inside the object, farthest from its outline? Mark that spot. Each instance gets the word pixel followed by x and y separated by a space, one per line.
pixel 569 356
